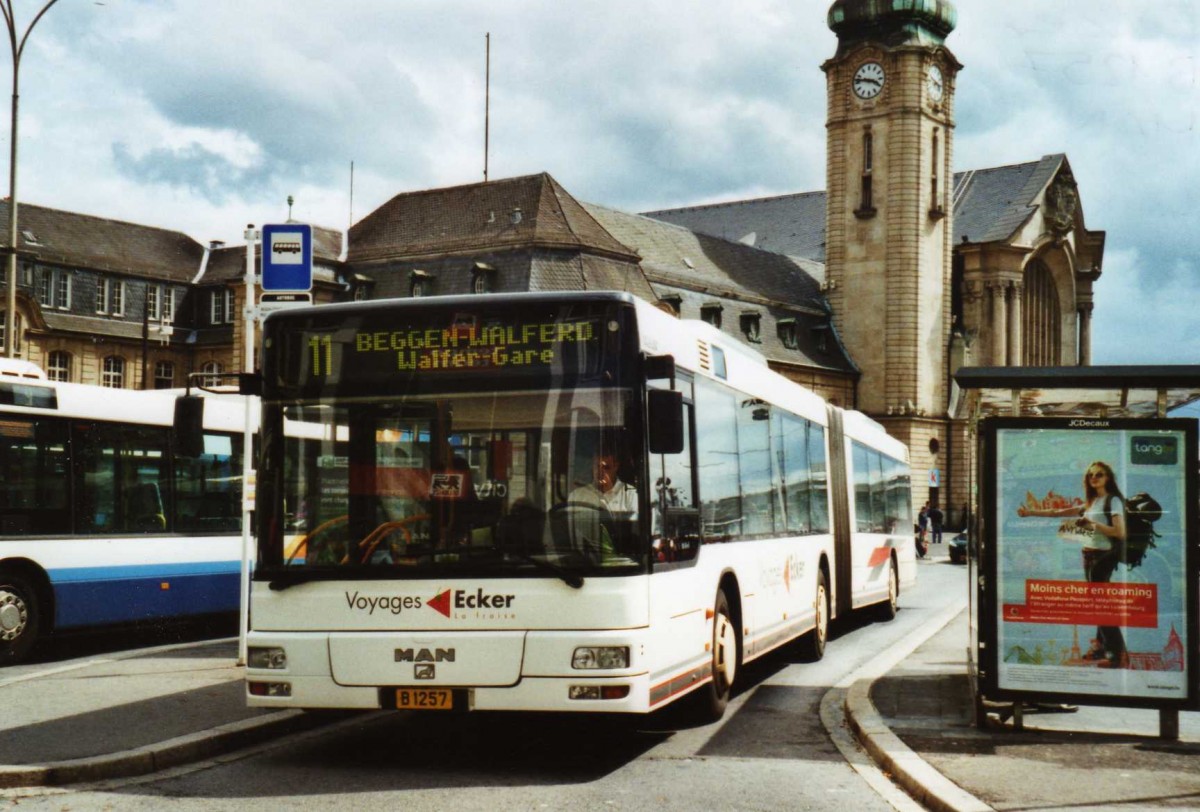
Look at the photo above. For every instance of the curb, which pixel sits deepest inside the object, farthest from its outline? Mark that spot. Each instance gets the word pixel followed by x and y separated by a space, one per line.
pixel 160 756
pixel 934 790
pixel 895 758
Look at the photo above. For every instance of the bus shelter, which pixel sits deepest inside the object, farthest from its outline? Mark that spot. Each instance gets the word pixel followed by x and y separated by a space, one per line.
pixel 1084 556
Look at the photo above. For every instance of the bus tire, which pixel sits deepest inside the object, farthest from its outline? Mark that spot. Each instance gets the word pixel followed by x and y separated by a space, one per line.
pixel 887 610
pixel 20 616
pixel 713 698
pixel 812 645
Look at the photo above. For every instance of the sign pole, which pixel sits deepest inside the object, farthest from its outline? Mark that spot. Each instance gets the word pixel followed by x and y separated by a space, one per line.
pixel 247 449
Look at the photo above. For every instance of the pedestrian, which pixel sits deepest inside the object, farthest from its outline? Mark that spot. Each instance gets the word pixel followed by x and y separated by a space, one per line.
pixel 936 519
pixel 923 522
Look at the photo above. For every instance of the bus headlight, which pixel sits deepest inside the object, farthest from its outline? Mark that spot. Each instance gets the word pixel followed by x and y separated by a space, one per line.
pixel 593 657
pixel 273 658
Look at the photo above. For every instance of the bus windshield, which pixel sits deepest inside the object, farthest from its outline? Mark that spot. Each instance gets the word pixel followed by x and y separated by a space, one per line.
pixel 491 483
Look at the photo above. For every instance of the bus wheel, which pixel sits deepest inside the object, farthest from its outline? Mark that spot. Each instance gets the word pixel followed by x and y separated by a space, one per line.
pixel 887 609
pixel 18 617
pixel 714 696
pixel 812 645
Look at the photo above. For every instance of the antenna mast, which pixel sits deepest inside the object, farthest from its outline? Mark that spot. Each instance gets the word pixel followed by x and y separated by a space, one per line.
pixel 487 99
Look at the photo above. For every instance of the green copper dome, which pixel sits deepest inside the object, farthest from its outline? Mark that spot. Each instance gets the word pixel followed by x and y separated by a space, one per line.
pixel 893 22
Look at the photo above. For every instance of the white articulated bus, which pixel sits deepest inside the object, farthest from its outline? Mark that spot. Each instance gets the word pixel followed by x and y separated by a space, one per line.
pixel 103 519
pixel 569 502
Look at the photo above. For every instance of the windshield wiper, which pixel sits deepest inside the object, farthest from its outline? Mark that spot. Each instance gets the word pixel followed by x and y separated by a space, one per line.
pixel 569 577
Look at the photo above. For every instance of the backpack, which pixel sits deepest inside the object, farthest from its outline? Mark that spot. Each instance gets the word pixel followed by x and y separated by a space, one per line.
pixel 1141 512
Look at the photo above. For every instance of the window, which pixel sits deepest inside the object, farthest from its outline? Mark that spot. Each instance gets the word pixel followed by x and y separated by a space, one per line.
pixel 882 493
pixel 721 512
pixel 420 284
pixel 35 461
pixel 209 487
pixel 17 329
pixel 751 324
pixel 711 313
pixel 110 296
pixel 361 293
pixel 59 366
pixel 168 305
pixel 483 278
pixel 63 290
pixel 212 371
pixel 935 200
pixel 229 306
pixel 54 288
pixel 866 202
pixel 164 375
pixel 217 307
pixel 113 373
pixel 787 333
pixel 673 301
pixel 122 481
pixel 759 492
pixel 153 302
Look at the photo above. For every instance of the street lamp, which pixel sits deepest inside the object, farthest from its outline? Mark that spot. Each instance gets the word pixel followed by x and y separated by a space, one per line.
pixel 18 47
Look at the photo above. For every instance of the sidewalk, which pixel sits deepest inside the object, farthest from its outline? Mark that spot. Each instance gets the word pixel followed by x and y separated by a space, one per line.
pixel 1093 758
pixel 130 714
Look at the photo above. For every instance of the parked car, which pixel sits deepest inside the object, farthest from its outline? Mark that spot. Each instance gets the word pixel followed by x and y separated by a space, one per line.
pixel 960 548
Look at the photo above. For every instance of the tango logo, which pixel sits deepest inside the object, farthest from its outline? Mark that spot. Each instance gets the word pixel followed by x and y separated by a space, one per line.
pixel 1159 450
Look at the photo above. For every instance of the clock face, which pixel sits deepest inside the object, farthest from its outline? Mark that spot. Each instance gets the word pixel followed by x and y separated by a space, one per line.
pixel 868 80
pixel 934 83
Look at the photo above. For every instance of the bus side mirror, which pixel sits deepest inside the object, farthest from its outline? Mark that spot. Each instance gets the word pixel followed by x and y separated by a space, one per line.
pixel 666 421
pixel 189 425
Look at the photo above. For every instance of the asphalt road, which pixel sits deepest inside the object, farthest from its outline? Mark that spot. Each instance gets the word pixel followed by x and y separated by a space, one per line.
pixel 770 752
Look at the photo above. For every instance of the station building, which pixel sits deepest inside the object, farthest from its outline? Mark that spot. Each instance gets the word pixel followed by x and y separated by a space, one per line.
pixel 872 292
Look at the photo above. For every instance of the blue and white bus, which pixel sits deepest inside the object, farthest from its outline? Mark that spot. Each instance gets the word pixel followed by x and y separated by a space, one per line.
pixel 102 520
pixel 567 502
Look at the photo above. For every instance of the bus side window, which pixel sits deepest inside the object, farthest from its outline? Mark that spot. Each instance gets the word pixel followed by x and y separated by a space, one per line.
pixel 34 499
pixel 675 521
pixel 208 487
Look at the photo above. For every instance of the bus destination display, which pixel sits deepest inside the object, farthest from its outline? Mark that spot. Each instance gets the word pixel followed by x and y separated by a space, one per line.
pixel 369 349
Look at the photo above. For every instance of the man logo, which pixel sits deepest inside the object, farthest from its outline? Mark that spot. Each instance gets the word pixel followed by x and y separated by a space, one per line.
pixel 424 671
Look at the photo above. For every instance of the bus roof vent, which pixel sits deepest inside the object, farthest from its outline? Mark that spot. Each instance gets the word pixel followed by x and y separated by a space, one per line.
pixel 705 355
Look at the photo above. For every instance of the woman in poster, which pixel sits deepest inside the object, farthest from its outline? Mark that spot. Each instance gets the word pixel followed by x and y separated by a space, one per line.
pixel 1101 525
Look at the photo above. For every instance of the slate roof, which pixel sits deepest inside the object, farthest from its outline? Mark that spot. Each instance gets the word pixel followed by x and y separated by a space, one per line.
pixel 990 205
pixel 791 224
pixel 524 212
pixel 702 270
pixel 83 241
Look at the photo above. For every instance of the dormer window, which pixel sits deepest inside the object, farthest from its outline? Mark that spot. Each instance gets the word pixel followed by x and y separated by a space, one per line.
pixel 788 335
pixel 673 301
pixel 420 284
pixel 710 313
pixel 751 324
pixel 821 335
pixel 483 278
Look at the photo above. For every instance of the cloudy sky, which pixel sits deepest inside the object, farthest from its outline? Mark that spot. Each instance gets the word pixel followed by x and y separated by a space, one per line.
pixel 204 115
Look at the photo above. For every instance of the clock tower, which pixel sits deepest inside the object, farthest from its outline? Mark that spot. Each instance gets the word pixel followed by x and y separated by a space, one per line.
pixel 888 255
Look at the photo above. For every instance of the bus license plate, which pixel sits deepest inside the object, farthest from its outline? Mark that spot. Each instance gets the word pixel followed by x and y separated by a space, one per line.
pixel 424 699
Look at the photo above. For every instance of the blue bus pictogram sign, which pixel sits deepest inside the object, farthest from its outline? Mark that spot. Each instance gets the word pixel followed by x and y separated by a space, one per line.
pixel 287 258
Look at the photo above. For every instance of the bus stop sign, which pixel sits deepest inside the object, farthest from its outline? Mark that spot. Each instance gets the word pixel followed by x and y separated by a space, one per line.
pixel 287 258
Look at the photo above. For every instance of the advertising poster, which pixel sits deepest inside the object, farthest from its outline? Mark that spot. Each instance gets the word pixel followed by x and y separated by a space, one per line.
pixel 1091 558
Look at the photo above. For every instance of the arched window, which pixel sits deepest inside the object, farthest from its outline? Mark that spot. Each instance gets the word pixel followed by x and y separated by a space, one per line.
pixel 1041 318
pixel 211 370
pixel 58 366
pixel 113 375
